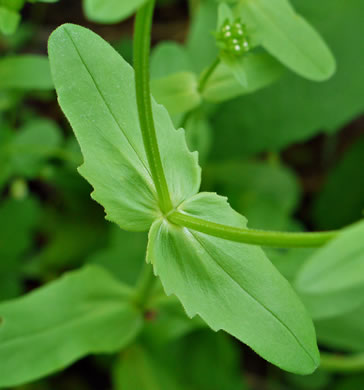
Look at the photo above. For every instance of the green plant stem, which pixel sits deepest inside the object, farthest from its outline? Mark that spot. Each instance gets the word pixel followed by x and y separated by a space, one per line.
pixel 250 236
pixel 342 364
pixel 142 38
pixel 207 74
pixel 144 286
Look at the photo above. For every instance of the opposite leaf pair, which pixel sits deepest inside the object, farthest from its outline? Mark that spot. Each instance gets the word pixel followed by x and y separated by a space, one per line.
pixel 232 286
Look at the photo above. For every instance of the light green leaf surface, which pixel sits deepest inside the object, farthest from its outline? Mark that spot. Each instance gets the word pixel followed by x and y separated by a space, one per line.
pixel 110 11
pixel 177 92
pixel 233 286
pixel 84 312
pixel 289 37
pixel 331 282
pixel 25 72
pixel 101 106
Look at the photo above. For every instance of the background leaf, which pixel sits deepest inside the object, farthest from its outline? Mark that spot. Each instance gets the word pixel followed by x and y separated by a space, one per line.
pixel 84 312
pixel 111 11
pixel 294 109
pixel 331 282
pixel 347 174
pixel 25 72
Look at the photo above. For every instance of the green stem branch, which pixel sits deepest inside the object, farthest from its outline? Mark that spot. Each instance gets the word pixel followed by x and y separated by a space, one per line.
pixel 207 74
pixel 142 38
pixel 342 364
pixel 251 236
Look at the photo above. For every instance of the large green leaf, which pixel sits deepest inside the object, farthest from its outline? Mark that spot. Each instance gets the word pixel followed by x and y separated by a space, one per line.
pixel 96 91
pixel 348 174
pixel 25 72
pixel 110 11
pixel 294 109
pixel 233 286
pixel 289 37
pixel 331 282
pixel 86 311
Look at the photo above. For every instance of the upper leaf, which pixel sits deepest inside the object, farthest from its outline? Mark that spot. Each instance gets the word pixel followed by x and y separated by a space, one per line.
pixel 86 311
pixel 111 11
pixel 289 37
pixel 96 91
pixel 331 282
pixel 233 286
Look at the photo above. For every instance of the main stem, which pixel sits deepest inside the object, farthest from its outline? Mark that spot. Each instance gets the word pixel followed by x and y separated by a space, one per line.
pixel 251 236
pixel 142 38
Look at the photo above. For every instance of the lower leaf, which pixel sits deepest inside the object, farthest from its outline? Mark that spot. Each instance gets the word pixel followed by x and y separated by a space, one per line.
pixel 233 286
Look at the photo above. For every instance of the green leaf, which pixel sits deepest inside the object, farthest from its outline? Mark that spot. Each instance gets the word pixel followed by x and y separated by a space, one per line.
pixel 199 135
pixel 257 69
pixel 25 72
pixel 36 142
pixel 289 37
pixel 201 44
pixel 9 20
pixel 169 322
pixel 125 255
pixel 84 312
pixel 19 218
pixel 331 282
pixel 233 286
pixel 177 92
pixel 295 109
pixel 111 11
pixel 96 91
pixel 168 58
pixel 267 194
pixel 344 332
pixel 348 174
pixel 137 370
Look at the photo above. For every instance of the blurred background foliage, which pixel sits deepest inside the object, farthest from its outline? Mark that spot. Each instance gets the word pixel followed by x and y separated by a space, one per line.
pixel 289 157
